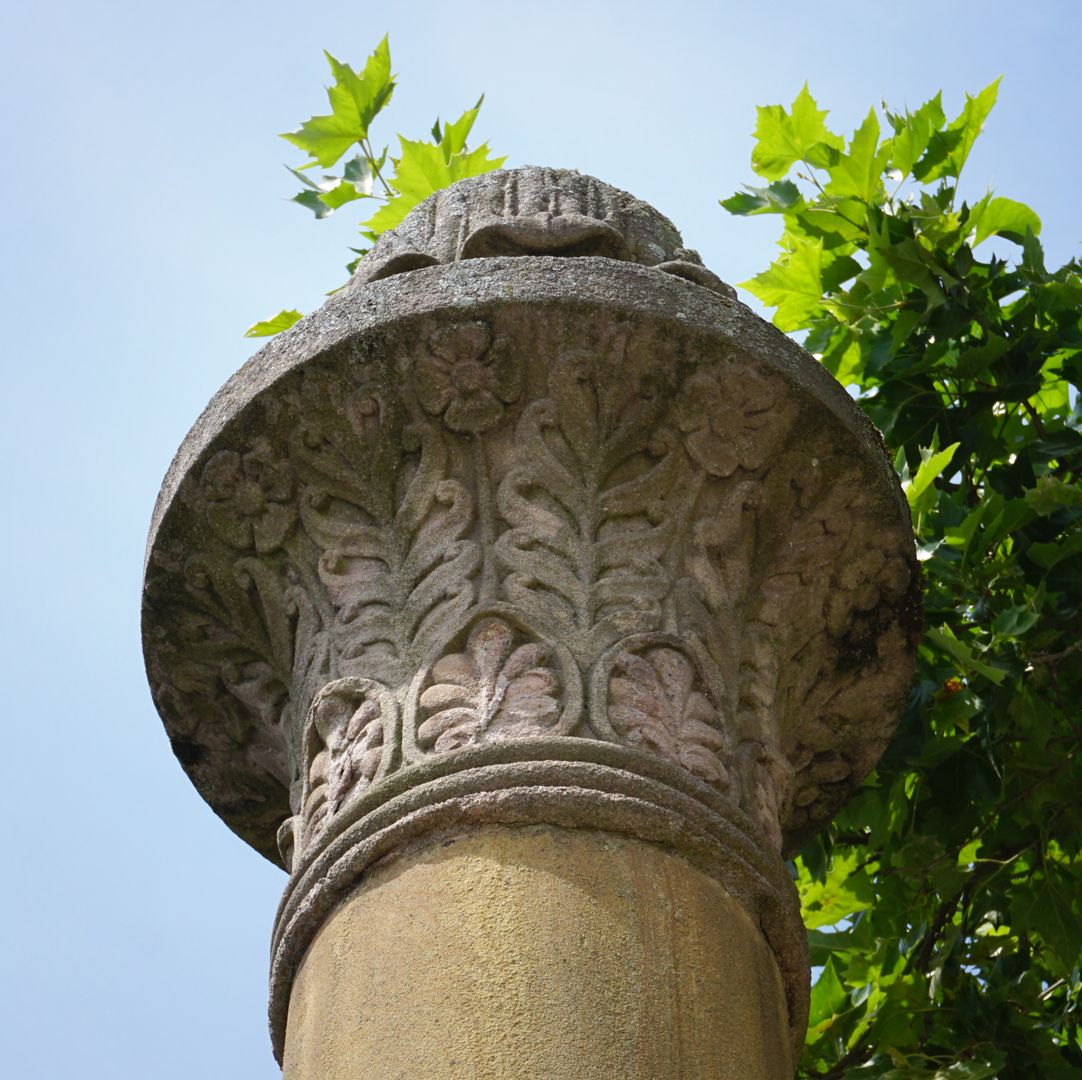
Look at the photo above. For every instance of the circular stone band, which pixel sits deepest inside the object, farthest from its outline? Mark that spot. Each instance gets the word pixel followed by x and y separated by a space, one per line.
pixel 471 789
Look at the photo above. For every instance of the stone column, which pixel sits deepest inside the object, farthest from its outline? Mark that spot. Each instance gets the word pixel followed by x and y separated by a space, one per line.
pixel 529 603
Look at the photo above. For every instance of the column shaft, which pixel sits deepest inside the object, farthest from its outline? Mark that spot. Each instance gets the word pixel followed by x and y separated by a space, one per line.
pixel 538 952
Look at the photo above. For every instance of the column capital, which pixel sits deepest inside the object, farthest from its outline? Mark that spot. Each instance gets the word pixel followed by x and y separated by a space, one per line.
pixel 534 523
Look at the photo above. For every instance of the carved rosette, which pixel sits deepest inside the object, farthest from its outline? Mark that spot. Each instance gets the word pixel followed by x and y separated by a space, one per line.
pixel 494 533
pixel 502 685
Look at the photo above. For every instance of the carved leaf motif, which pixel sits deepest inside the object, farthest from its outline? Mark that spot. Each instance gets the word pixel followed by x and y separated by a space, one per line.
pixel 654 702
pixel 399 582
pixel 355 751
pixel 586 504
pixel 314 660
pixel 734 420
pixel 822 640
pixel 719 560
pixel 492 691
pixel 347 728
pixel 765 786
pixel 351 457
pixel 232 622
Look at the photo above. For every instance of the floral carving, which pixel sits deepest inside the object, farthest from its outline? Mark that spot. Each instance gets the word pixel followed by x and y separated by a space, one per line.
pixel 397 563
pixel 655 703
pixel 492 691
pixel 467 378
pixel 731 418
pixel 346 741
pixel 588 496
pixel 649 517
pixel 248 497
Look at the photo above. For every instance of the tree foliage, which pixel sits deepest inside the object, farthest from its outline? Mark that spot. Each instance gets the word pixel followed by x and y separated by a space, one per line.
pixel 395 184
pixel 944 904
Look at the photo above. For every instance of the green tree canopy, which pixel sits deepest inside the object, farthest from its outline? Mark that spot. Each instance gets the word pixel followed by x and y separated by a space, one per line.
pixel 944 904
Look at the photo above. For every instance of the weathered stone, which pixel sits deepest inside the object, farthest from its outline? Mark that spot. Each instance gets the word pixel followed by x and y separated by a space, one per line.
pixel 534 212
pixel 534 524
pixel 538 953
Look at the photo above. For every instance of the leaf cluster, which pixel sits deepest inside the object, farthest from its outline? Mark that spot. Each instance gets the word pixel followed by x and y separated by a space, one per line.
pixel 945 903
pixel 396 184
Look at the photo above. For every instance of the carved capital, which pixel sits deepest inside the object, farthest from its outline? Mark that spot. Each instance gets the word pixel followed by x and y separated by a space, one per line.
pixel 546 539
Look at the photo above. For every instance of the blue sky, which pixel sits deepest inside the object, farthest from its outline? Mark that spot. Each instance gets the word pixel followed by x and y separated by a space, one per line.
pixel 144 226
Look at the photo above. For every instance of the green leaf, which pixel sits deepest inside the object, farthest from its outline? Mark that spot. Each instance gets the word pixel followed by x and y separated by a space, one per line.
pixel 859 173
pixel 1002 217
pixel 1033 257
pixel 793 285
pixel 953 880
pixel 913 132
pixel 945 640
pixel 423 170
pixel 948 150
pixel 931 466
pixel 353 263
pixel 325 138
pixel 1052 553
pixel 842 892
pixel 907 261
pixel 784 138
pixel 776 198
pixel 1053 910
pixel 985 1069
pixel 828 1000
pixel 1014 622
pixel 453 140
pixel 343 192
pixel 310 200
pixel 1051 495
pixel 373 88
pixel 306 180
pixel 325 196
pixel 358 171
pixel 355 100
pixel 846 361
pixel 282 321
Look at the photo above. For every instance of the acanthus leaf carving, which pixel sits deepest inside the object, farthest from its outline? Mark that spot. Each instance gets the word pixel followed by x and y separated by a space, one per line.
pixel 495 689
pixel 765 787
pixel 718 561
pixel 353 457
pixel 686 545
pixel 397 582
pixel 586 502
pixel 346 742
pixel 231 626
pixel 656 699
